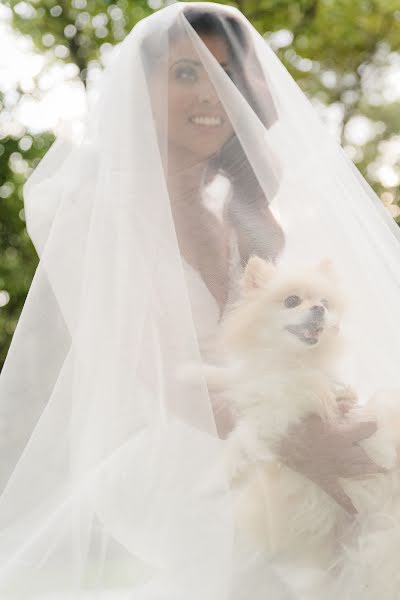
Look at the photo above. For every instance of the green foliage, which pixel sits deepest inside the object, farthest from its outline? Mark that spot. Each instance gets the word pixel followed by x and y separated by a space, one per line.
pixel 331 48
pixel 76 30
pixel 18 259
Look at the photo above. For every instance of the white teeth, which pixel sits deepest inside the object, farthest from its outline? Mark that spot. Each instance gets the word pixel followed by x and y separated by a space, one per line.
pixel 209 121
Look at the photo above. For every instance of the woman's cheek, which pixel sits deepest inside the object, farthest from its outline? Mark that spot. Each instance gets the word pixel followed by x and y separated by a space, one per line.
pixel 179 109
pixel 180 99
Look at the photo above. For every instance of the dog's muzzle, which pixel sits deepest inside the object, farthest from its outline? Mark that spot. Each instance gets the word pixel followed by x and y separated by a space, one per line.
pixel 311 329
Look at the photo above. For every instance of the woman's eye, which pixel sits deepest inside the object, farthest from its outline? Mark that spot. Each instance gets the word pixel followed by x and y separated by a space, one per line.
pixel 325 303
pixel 292 301
pixel 186 73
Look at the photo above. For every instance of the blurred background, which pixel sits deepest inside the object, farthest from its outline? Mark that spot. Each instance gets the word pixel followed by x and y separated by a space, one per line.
pixel 345 54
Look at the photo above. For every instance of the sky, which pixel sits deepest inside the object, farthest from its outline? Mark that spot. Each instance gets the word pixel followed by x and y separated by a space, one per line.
pixel 61 97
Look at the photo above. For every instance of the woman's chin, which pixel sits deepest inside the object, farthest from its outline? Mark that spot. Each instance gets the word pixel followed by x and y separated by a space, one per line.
pixel 205 151
pixel 204 142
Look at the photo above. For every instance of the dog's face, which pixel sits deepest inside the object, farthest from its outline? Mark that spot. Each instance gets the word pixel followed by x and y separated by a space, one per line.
pixel 305 308
pixel 285 312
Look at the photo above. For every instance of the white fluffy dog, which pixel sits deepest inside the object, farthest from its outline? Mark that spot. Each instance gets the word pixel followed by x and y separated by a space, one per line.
pixel 281 342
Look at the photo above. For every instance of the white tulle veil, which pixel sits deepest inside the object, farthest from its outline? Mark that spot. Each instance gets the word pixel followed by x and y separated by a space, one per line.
pixel 112 478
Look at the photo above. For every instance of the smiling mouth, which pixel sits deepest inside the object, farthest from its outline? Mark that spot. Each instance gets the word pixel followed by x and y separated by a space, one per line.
pixel 204 121
pixel 308 333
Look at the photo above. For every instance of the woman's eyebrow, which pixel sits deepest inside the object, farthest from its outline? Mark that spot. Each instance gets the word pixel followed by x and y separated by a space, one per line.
pixel 188 60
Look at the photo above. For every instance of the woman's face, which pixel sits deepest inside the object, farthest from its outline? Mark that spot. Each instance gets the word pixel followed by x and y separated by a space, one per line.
pixel 197 124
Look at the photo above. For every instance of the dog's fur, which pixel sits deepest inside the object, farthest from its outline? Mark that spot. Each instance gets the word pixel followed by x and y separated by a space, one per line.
pixel 281 342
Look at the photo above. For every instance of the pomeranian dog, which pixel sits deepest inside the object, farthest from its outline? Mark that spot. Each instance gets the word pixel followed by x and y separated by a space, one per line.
pixel 280 344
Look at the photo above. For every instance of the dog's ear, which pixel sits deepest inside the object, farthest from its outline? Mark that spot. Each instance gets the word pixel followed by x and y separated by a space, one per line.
pixel 256 274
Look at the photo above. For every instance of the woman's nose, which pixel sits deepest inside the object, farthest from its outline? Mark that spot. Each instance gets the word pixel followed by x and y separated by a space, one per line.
pixel 207 94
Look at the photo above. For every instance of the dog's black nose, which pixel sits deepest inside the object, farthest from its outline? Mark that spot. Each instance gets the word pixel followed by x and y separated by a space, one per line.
pixel 318 310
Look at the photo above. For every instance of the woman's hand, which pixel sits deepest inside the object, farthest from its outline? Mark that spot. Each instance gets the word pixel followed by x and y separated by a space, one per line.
pixel 324 452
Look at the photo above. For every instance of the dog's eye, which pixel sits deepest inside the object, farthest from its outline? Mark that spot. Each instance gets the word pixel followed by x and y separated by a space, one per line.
pixel 325 303
pixel 292 301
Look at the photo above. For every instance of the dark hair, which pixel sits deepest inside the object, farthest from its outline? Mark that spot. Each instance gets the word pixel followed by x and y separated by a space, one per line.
pixel 248 209
pixel 248 75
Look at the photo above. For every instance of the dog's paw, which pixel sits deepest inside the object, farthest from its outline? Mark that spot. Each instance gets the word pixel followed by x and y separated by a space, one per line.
pixel 216 377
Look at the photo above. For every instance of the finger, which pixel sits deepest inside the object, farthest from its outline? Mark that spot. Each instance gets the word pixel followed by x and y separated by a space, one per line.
pixel 311 423
pixel 336 491
pixel 359 464
pixel 359 431
pixel 365 471
pixel 366 429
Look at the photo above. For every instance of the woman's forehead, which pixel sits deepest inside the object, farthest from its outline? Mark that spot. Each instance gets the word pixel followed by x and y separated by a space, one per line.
pixel 182 48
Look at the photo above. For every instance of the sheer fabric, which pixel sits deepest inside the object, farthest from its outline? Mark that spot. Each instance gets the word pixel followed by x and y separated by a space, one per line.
pixel 200 152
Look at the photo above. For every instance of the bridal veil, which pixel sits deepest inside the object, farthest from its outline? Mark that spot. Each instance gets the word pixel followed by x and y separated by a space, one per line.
pixel 199 151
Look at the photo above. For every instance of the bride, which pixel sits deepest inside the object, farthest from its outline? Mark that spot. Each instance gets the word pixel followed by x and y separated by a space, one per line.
pixel 202 144
pixel 111 467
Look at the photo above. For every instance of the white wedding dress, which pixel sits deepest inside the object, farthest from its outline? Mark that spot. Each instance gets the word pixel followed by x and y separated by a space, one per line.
pixel 206 317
